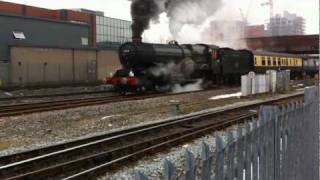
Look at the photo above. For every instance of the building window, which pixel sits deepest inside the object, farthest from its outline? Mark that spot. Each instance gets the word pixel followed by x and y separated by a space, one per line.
pixel 18 35
pixel 84 41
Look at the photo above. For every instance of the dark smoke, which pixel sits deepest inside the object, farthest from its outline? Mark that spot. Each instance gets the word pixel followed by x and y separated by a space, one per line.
pixel 142 11
pixel 179 12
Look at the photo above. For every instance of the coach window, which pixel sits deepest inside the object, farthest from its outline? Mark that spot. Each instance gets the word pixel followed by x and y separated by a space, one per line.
pixel 294 61
pixel 279 62
pixel 274 61
pixel 263 62
pixel 269 61
pixel 255 60
pixel 286 61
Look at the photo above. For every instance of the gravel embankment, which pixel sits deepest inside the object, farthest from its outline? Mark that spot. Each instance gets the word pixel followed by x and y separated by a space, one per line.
pixel 42 129
pixel 153 168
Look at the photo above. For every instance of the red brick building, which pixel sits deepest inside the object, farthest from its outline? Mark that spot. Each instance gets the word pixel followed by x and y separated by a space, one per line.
pixel 255 31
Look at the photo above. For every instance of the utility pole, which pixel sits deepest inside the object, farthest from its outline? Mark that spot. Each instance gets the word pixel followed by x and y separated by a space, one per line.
pixel 244 18
pixel 269 3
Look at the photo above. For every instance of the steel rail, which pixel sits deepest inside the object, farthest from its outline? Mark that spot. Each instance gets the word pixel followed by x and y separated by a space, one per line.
pixel 28 108
pixel 182 124
pixel 53 95
pixel 46 150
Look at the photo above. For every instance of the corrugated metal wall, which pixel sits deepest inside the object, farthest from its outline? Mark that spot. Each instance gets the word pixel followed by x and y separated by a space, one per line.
pixel 108 63
pixel 29 65
pixel 85 65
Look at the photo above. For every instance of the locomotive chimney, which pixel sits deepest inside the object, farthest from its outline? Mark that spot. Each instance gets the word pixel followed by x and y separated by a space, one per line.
pixel 137 40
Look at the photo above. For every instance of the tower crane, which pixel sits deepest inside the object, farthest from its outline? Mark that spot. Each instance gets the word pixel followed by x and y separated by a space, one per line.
pixel 269 3
pixel 245 16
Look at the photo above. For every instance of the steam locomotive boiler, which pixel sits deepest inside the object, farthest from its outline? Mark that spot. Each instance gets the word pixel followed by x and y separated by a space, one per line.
pixel 160 66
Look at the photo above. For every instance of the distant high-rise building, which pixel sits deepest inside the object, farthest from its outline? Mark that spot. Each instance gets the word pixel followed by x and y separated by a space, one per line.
pixel 288 24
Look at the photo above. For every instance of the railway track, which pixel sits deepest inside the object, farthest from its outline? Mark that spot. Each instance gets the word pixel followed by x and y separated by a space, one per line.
pixel 89 158
pixel 52 95
pixel 28 108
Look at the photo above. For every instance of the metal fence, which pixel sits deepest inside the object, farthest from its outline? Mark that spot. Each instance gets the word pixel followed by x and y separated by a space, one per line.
pixel 283 144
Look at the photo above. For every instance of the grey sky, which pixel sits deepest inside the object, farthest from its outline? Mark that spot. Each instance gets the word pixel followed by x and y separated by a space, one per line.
pixel 309 9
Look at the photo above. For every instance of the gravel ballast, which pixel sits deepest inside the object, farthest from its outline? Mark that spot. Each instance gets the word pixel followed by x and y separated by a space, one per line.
pixel 42 129
pixel 46 128
pixel 153 167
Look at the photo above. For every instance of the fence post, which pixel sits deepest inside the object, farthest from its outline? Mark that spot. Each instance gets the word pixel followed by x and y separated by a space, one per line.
pixel 263 140
pixel 290 140
pixel 255 146
pixel 277 137
pixel 247 151
pixel 230 154
pixel 169 170
pixel 284 145
pixel 190 166
pixel 239 149
pixel 219 159
pixel 309 95
pixel 140 176
pixel 206 162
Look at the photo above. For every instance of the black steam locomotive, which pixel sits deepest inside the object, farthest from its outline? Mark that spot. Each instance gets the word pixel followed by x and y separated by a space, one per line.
pixel 157 67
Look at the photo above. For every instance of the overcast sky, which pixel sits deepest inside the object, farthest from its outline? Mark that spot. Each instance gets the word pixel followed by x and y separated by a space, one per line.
pixel 309 9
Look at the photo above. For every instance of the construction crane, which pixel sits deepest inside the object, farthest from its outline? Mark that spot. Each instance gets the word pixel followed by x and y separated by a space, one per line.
pixel 245 16
pixel 269 3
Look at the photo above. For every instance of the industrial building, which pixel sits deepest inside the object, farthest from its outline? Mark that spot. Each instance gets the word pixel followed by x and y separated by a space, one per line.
pixel 255 31
pixel 288 24
pixel 43 46
pixel 111 32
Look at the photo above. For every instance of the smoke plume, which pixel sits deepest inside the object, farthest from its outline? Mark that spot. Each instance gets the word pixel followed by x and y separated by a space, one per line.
pixel 179 12
pixel 142 12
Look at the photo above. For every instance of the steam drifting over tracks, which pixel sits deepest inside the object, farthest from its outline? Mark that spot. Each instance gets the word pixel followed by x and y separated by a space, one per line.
pixel 89 158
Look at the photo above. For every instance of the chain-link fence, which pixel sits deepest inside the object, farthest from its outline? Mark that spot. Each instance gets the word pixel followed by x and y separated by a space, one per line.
pixel 283 144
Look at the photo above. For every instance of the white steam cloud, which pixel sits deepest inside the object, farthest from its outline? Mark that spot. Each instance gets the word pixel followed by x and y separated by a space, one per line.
pixel 169 72
pixel 201 21
pixel 197 86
